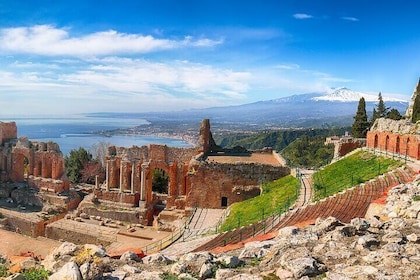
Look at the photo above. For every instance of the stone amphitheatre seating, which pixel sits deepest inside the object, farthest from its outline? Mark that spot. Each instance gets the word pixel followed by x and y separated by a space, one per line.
pixel 345 206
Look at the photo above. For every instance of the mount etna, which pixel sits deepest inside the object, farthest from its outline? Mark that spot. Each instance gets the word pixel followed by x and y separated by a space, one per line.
pixel 335 107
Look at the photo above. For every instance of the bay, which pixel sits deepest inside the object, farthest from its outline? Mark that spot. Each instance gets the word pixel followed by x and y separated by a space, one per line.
pixel 79 131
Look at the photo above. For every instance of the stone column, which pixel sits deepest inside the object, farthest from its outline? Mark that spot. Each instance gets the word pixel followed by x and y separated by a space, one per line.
pixel 143 181
pixel 107 176
pixel 96 182
pixel 133 170
pixel 121 176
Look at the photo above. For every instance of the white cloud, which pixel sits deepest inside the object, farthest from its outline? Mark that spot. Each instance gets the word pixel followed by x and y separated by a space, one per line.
pixel 50 41
pixel 288 66
pixel 302 16
pixel 120 84
pixel 350 18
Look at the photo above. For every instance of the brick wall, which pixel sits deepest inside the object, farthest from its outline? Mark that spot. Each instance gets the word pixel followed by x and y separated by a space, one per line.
pixel 406 144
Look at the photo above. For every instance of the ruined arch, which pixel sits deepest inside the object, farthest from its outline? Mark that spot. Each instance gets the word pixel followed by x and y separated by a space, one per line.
pixel 375 144
pixel 22 165
pixel 397 145
pixel 407 146
pixel 387 143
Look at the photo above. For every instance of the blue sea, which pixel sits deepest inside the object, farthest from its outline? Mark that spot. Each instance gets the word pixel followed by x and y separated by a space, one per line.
pixel 79 131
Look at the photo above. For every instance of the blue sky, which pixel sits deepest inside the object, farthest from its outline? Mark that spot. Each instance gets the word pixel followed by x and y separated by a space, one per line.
pixel 65 57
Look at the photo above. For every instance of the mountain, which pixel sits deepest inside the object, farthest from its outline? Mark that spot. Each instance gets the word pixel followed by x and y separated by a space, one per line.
pixel 347 95
pixel 335 107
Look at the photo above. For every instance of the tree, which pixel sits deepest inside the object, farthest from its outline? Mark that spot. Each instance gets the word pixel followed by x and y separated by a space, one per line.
pixel 99 151
pixel 393 114
pixel 90 170
pixel 381 110
pixel 416 106
pixel 160 181
pixel 360 124
pixel 75 163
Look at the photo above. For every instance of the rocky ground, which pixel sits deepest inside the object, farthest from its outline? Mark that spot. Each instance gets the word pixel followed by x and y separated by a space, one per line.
pixel 372 248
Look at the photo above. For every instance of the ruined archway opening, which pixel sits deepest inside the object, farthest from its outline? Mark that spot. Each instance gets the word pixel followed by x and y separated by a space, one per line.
pixel 160 182
pixel 25 167
pixel 224 201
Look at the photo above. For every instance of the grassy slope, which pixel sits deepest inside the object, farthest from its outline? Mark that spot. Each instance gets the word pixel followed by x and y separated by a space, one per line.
pixel 350 171
pixel 273 200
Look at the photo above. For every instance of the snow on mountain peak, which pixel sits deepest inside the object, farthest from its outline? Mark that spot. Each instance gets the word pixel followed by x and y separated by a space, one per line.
pixel 347 95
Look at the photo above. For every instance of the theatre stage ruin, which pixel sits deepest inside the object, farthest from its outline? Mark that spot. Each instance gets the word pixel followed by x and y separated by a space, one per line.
pixel 205 176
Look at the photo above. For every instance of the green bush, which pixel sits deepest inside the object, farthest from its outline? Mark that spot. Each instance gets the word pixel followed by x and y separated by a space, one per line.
pixel 36 274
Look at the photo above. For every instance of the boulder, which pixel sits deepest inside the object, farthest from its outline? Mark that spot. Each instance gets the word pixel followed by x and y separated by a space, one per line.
pixel 306 266
pixel 129 256
pixel 360 224
pixel 157 259
pixel 194 261
pixel 323 226
pixel 178 268
pixel 206 271
pixel 70 271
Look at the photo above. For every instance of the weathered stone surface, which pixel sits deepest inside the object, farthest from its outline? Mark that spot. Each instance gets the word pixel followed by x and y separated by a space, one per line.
pixel 178 268
pixel 360 224
pixel 206 271
pixel 325 225
pixel 129 256
pixel 306 266
pixel 255 250
pixel 368 241
pixel 229 261
pixel 224 273
pixel 70 271
pixel 194 261
pixel 131 269
pixel 156 259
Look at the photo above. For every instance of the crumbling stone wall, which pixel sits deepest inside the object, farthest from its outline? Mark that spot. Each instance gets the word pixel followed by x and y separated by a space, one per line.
pixel 21 159
pixel 217 185
pixel 8 131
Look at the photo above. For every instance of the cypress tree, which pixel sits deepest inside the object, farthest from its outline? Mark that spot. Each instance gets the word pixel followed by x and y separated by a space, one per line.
pixel 381 109
pixel 360 124
pixel 416 105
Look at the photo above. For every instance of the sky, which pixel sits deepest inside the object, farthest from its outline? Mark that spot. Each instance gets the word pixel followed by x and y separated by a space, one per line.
pixel 81 56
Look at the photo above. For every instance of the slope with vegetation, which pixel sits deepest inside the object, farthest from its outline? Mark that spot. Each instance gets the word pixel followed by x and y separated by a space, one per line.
pixel 350 171
pixel 276 197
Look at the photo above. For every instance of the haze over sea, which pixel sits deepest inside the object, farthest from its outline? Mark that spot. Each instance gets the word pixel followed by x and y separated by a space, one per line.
pixel 80 131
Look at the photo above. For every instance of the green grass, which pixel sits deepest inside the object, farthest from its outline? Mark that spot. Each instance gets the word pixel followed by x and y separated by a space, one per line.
pixel 273 200
pixel 351 171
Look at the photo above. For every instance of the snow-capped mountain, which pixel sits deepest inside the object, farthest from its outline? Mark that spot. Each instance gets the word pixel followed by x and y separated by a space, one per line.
pixel 333 107
pixel 343 94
